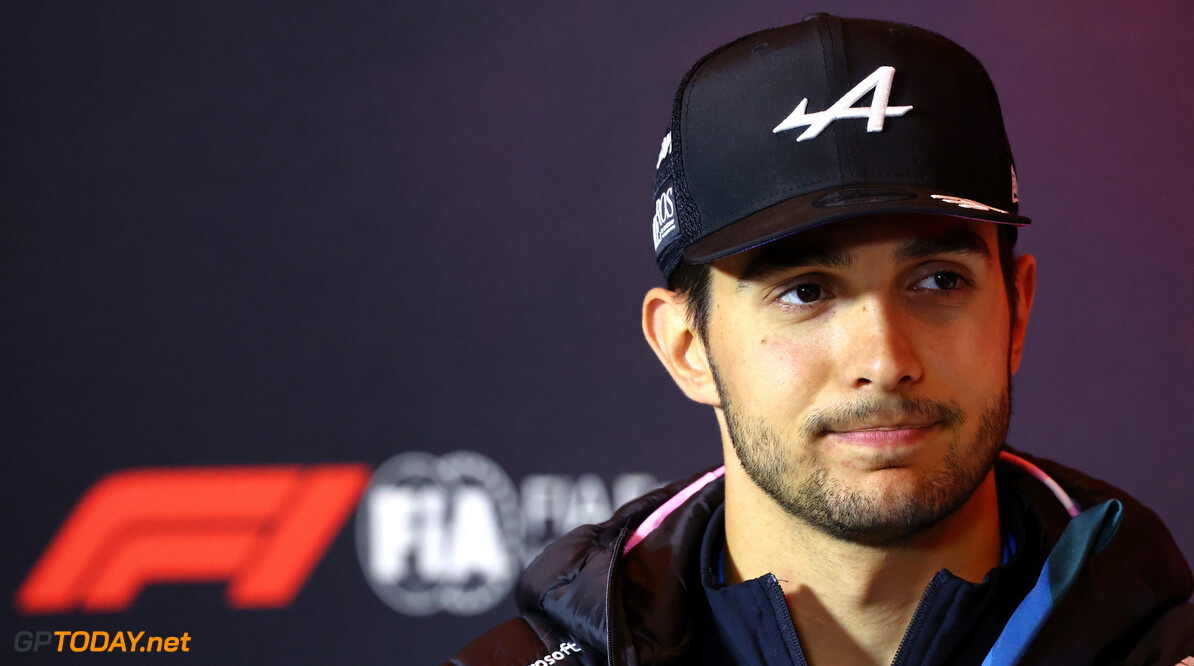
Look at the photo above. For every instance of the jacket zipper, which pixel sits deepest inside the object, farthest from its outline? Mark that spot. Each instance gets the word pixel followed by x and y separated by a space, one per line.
pixel 918 620
pixel 787 627
pixel 610 660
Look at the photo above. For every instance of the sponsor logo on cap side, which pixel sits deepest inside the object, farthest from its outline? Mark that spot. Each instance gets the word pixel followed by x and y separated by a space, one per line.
pixel 664 222
pixel 879 81
pixel 665 149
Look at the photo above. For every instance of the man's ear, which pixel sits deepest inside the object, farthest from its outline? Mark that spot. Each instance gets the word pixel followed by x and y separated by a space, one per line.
pixel 1026 289
pixel 675 341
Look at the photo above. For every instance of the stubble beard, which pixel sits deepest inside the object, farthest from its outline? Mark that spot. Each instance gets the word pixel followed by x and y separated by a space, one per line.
pixel 854 515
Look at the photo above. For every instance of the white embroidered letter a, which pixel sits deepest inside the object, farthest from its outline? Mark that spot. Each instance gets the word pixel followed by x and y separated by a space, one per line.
pixel 879 81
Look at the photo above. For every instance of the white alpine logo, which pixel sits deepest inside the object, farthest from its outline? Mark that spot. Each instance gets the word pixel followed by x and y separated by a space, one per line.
pixel 879 81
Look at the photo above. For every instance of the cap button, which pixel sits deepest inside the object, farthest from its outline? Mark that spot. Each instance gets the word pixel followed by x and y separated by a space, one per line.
pixel 816 15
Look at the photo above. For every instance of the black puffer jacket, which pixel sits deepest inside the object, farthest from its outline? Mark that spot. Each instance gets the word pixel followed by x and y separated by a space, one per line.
pixel 582 602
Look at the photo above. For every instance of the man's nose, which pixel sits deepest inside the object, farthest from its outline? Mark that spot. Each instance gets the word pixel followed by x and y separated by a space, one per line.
pixel 876 349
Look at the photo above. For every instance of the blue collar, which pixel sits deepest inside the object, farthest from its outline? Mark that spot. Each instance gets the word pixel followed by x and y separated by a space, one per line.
pixel 957 621
pixel 1009 549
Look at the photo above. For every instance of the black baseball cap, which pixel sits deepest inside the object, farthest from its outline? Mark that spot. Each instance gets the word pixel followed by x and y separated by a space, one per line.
pixel 823 120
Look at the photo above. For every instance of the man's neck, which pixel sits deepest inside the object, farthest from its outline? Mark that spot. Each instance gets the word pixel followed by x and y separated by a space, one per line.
pixel 852 603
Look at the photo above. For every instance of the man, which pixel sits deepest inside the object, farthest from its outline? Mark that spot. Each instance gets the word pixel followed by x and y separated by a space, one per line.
pixel 835 216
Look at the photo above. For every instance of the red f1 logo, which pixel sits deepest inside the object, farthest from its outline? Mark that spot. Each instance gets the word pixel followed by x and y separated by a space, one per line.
pixel 261 528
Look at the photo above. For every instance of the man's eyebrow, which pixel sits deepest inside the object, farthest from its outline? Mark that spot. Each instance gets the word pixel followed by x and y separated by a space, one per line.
pixel 779 257
pixel 963 241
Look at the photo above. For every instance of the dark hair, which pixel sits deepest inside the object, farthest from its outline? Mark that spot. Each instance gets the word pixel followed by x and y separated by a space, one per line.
pixel 692 281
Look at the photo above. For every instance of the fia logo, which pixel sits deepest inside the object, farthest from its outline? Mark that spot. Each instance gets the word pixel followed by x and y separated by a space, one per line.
pixel 879 81
pixel 440 533
pixel 450 533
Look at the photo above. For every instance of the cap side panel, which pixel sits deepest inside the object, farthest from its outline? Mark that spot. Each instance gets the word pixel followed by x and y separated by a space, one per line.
pixel 688 215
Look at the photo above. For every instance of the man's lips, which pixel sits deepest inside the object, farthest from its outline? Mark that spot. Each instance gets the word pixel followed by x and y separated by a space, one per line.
pixel 895 434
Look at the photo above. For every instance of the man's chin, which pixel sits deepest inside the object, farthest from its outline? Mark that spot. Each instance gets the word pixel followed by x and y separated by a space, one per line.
pixel 888 521
pixel 880 507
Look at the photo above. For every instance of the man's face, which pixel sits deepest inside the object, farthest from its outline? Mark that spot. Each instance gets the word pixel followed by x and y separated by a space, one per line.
pixel 863 369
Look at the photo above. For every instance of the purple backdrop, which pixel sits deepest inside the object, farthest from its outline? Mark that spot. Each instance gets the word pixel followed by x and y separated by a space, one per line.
pixel 260 233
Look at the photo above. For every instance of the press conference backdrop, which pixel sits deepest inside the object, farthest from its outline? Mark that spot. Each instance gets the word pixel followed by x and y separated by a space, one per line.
pixel 320 319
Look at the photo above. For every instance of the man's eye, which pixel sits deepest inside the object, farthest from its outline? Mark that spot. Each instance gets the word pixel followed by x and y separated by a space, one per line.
pixel 940 281
pixel 808 292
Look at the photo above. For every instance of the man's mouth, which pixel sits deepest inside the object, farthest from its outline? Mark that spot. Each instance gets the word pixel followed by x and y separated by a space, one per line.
pixel 883 435
pixel 885 427
pixel 877 416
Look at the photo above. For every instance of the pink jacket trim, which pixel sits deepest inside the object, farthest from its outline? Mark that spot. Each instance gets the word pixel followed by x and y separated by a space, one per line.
pixel 669 506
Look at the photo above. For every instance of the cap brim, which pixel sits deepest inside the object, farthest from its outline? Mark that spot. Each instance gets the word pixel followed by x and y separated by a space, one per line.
pixel 832 205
